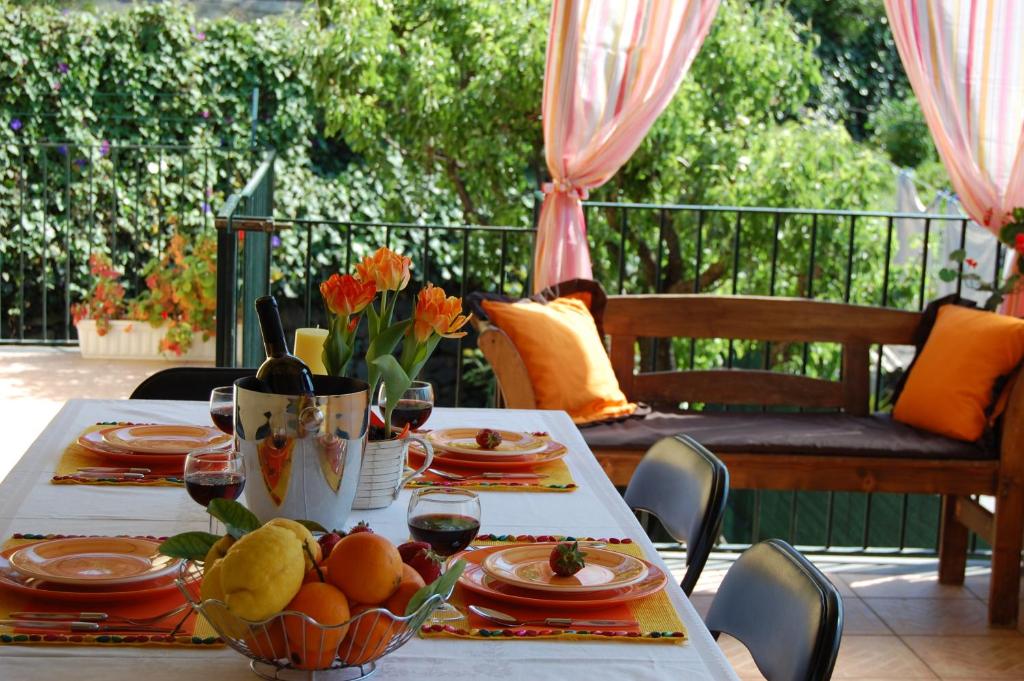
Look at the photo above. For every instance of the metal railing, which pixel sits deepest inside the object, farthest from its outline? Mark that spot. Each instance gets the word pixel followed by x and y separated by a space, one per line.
pixel 640 248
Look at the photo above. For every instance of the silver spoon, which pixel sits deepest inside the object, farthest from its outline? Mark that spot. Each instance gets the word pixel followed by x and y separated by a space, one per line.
pixel 506 620
pixel 486 476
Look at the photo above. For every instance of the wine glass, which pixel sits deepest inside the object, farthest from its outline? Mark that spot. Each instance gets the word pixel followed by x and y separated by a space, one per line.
pixel 214 473
pixel 222 408
pixel 413 407
pixel 448 519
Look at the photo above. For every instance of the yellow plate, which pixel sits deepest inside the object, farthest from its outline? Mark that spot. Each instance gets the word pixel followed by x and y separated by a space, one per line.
pixel 93 561
pixel 164 439
pixel 463 441
pixel 527 567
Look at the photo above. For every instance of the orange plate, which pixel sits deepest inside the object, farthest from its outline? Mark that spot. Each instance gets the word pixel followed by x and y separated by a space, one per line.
pixel 88 561
pixel 476 580
pixel 166 439
pixel 463 441
pixel 527 566
pixel 443 460
pixel 36 588
pixel 163 463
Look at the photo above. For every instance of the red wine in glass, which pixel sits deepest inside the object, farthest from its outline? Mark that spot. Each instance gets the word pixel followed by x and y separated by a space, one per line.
pixel 223 417
pixel 206 486
pixel 446 533
pixel 412 412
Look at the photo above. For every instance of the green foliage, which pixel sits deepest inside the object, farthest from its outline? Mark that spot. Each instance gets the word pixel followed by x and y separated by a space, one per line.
pixel 898 127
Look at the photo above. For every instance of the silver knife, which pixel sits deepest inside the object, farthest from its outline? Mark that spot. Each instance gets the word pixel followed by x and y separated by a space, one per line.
pixel 50 625
pixel 78 616
pixel 101 469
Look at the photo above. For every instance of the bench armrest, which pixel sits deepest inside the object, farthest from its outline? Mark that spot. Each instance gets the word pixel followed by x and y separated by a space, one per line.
pixel 508 366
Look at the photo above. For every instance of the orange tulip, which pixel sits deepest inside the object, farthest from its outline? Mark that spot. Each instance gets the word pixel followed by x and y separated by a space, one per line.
pixel 436 313
pixel 345 295
pixel 388 270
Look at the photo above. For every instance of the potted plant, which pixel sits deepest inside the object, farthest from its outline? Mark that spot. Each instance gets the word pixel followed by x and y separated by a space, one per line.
pixel 373 293
pixel 178 304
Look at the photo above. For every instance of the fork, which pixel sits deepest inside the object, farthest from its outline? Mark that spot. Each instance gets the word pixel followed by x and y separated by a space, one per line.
pixel 97 617
pixel 486 476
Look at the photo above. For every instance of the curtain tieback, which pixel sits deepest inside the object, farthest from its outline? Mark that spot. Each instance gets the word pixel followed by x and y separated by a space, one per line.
pixel 565 187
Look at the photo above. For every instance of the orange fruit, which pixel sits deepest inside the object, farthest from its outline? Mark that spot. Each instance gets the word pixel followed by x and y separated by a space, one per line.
pixel 366 566
pixel 312 576
pixel 368 637
pixel 268 642
pixel 309 646
pixel 410 584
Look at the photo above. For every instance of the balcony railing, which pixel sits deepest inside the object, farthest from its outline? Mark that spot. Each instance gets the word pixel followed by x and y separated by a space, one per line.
pixel 852 256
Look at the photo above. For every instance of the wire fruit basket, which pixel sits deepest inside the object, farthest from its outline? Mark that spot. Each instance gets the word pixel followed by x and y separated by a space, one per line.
pixel 292 645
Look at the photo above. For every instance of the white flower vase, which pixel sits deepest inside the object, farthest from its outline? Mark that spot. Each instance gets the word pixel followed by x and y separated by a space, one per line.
pixel 380 478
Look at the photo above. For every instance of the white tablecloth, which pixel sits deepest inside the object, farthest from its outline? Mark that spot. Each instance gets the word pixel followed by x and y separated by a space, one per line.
pixel 30 503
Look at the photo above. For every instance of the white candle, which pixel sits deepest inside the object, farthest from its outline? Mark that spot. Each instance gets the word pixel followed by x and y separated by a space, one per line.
pixel 309 347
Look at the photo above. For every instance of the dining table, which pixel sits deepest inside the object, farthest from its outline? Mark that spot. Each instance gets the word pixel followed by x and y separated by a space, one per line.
pixel 31 503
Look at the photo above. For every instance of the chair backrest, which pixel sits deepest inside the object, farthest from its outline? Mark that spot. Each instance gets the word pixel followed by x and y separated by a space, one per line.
pixel 787 614
pixel 758 318
pixel 685 487
pixel 187 383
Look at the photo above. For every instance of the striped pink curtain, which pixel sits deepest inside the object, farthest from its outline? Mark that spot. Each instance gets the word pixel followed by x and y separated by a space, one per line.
pixel 965 61
pixel 612 67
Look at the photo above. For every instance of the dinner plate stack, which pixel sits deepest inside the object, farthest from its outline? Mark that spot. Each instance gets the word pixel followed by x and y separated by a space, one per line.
pixel 157 446
pixel 83 569
pixel 521 574
pixel 458 447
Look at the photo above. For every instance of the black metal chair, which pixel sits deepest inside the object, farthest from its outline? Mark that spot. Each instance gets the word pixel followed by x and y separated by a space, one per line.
pixel 187 383
pixel 684 486
pixel 787 614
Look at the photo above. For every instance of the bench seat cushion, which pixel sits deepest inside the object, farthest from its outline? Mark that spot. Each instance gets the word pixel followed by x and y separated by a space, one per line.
pixel 832 434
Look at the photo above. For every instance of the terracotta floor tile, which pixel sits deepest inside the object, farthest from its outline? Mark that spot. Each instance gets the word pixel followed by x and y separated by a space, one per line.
pixel 978 584
pixel 935 616
pixel 911 585
pixel 975 657
pixel 739 658
pixel 702 602
pixel 875 657
pixel 858 619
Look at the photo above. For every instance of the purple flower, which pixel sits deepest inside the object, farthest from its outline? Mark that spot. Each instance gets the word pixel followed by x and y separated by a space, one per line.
pixel 15 124
pixel 104 147
pixel 200 36
pixel 81 162
pixel 206 207
pixel 63 67
pixel 275 241
pixel 62 150
pixel 205 113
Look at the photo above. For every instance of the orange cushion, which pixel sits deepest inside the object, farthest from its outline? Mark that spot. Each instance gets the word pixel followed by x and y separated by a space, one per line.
pixel 565 358
pixel 950 386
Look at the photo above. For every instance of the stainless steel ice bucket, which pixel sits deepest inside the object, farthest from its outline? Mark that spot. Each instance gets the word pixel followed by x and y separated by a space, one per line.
pixel 302 455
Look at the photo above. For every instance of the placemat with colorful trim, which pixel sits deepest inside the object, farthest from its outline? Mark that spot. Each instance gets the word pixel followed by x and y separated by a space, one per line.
pixel 195 631
pixel 656 616
pixel 75 456
pixel 557 476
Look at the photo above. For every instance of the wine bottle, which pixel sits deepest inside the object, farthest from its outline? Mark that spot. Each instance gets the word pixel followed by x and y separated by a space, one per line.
pixel 282 372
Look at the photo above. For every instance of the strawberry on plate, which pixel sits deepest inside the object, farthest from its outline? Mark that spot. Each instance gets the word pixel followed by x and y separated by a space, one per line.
pixel 488 439
pixel 566 559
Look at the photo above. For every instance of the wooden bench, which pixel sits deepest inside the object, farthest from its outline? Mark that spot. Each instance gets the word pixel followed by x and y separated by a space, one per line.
pixel 835 452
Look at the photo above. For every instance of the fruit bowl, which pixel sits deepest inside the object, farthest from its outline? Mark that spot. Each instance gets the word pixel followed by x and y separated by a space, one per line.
pixel 343 651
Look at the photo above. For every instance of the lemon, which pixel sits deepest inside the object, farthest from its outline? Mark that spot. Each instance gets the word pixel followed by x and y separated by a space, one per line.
pixel 303 534
pixel 215 613
pixel 217 551
pixel 262 572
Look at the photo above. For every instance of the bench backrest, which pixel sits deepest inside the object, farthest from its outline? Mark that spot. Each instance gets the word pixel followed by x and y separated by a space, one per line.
pixel 628 318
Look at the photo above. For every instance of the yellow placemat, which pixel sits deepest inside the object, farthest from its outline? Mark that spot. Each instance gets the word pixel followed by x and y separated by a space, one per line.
pixel 195 631
pixel 655 614
pixel 75 456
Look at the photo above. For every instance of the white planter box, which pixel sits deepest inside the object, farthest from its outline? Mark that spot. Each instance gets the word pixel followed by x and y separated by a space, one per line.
pixel 129 339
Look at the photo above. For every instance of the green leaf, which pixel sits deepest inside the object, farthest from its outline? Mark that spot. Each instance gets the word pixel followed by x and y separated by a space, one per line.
pixel 189 545
pixel 396 382
pixel 947 274
pixel 443 585
pixel 958 255
pixel 313 526
pixel 238 519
